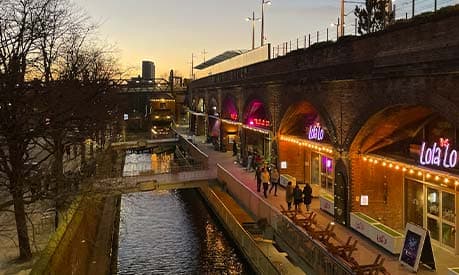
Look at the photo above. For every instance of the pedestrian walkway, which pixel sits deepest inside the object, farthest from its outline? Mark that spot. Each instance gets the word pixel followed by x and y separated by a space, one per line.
pixel 366 252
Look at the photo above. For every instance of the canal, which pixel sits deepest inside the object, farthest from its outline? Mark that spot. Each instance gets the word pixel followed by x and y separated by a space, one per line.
pixel 174 232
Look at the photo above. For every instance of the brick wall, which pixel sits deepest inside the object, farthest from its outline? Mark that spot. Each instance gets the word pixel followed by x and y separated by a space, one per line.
pixel 368 179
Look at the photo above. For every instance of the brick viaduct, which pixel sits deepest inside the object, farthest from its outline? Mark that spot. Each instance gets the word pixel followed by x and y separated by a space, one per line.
pixel 363 88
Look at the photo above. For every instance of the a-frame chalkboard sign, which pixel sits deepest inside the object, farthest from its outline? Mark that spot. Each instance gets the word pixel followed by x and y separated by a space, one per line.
pixel 417 248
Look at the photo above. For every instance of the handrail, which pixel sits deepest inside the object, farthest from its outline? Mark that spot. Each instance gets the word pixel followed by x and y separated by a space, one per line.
pixel 240 234
pixel 317 255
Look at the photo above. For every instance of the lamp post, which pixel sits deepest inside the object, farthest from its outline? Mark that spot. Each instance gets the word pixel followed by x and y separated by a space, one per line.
pixel 263 3
pixel 253 19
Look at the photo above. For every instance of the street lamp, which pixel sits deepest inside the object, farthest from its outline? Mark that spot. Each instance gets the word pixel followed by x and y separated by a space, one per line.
pixel 263 3
pixel 253 19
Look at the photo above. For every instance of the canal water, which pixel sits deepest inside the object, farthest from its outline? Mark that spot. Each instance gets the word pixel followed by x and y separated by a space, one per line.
pixel 174 232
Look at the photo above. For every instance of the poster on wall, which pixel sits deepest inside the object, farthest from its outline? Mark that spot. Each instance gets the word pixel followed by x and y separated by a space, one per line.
pixel 417 248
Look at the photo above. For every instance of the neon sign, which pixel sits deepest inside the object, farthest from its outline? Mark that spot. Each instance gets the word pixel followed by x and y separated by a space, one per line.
pixel 233 116
pixel 438 154
pixel 316 132
pixel 259 122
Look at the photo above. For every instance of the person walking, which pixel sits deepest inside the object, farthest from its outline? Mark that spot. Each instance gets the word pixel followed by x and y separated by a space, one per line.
pixel 265 180
pixel 289 195
pixel 297 197
pixel 234 148
pixel 307 196
pixel 274 180
pixel 258 178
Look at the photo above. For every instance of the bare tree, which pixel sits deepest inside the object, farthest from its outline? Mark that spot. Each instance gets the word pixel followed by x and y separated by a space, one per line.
pixel 47 41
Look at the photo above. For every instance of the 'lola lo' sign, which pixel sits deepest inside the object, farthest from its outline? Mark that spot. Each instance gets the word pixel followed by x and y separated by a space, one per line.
pixel 438 154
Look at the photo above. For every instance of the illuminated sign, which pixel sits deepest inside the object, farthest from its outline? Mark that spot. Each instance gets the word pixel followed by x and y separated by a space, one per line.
pixel 283 165
pixel 316 132
pixel 259 122
pixel 233 116
pixel 438 154
pixel 364 200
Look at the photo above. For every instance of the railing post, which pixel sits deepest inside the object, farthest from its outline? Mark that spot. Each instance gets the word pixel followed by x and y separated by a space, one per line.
pixel 309 40
pixel 317 40
pixel 290 42
pixel 327 34
pixel 297 40
pixel 305 41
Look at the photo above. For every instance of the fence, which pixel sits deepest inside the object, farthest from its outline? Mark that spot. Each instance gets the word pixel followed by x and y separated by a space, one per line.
pixel 309 250
pixel 403 10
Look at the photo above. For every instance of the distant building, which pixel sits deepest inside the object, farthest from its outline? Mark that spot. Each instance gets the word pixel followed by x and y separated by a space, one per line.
pixel 148 70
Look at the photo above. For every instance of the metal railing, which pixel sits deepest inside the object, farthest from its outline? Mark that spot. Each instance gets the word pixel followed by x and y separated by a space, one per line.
pixel 403 10
pixel 309 250
pixel 246 243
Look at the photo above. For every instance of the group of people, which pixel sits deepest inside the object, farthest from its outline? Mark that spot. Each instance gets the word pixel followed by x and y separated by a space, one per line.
pixel 265 177
pixel 298 196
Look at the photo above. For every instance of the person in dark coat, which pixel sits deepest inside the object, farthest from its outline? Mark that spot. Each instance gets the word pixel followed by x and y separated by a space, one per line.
pixel 258 178
pixel 297 197
pixel 307 196
pixel 234 149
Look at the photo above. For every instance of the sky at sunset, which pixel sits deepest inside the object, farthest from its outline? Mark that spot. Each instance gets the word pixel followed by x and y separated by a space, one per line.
pixel 169 31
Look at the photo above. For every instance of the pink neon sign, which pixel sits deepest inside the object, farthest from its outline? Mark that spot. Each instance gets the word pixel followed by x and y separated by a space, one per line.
pixel 438 154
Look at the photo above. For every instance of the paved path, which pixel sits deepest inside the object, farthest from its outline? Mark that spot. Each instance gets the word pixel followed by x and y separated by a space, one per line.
pixel 367 250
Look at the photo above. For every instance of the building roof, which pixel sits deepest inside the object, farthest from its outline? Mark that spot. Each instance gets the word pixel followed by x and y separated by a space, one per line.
pixel 220 58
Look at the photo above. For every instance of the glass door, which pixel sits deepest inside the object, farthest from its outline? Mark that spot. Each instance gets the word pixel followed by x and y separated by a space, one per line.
pixel 433 213
pixel 448 228
pixel 441 215
pixel 315 168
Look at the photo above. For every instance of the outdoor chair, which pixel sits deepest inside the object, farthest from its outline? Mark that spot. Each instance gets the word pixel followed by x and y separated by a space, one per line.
pixel 345 251
pixel 372 269
pixel 291 214
pixel 307 222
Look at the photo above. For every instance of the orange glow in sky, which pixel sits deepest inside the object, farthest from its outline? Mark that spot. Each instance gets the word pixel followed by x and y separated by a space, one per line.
pixel 167 32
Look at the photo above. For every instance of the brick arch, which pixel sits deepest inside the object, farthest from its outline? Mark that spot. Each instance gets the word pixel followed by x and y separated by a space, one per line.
pixel 249 108
pixel 200 101
pixel 229 107
pixel 211 104
pixel 406 110
pixel 296 113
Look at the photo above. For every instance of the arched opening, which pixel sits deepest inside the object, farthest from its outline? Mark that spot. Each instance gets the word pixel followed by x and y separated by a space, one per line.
pixel 230 125
pixel 198 117
pixel 256 134
pixel 214 123
pixel 404 170
pixel 305 151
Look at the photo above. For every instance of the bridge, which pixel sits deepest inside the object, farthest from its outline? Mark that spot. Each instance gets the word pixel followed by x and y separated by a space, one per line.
pixel 376 99
pixel 193 178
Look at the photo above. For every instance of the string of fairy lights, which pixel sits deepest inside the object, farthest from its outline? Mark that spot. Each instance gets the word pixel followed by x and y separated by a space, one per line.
pixel 259 130
pixel 307 143
pixel 440 177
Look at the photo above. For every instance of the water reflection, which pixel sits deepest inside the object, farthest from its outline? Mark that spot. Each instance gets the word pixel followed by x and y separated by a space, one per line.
pixel 173 232
pixel 137 162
